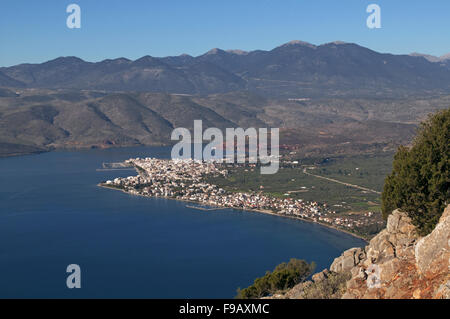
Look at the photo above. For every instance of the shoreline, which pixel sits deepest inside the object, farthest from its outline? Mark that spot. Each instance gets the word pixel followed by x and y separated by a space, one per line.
pixel 80 149
pixel 266 212
pixel 20 154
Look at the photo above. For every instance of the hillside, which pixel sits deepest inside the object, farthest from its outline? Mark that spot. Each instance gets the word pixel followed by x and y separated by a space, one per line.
pixel 335 98
pixel 396 264
pixel 47 118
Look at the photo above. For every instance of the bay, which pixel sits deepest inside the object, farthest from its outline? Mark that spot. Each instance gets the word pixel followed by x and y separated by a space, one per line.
pixel 52 214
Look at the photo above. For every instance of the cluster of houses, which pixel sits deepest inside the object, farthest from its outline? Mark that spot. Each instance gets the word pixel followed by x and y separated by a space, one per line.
pixel 185 180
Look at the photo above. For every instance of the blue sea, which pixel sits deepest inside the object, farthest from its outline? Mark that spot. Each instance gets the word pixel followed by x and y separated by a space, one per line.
pixel 52 214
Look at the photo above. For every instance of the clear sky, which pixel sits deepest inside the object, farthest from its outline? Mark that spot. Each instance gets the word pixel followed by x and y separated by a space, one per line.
pixel 36 31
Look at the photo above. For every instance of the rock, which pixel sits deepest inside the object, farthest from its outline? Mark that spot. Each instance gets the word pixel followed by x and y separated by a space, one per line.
pixel 434 248
pixel 353 283
pixel 389 269
pixel 393 221
pixel 399 222
pixel 380 248
pixel 347 263
pixel 417 293
pixel 298 291
pixel 336 266
pixel 394 241
pixel 358 272
pixel 320 276
pixel 354 271
pixel 348 295
pixel 405 265
pixel 443 291
pixel 349 259
pixel 396 264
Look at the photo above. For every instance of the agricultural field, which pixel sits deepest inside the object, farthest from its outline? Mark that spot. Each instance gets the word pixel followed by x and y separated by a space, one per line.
pixel 291 181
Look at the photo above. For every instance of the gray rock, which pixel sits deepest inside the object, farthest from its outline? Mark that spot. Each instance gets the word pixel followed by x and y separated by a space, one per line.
pixel 434 248
pixel 349 259
pixel 399 223
pixel 320 276
pixel 358 272
pixel 444 291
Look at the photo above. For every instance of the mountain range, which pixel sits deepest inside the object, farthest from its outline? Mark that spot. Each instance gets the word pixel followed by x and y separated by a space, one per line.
pixel 442 59
pixel 333 98
pixel 295 69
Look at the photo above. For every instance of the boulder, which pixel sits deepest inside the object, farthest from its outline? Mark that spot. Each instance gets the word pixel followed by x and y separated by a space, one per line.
pixel 399 223
pixel 349 259
pixel 320 276
pixel 394 241
pixel 433 251
pixel 389 269
pixel 379 248
pixel 358 272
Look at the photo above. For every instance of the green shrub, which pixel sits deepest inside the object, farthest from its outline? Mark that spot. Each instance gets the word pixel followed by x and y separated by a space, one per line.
pixel 333 287
pixel 284 276
pixel 419 182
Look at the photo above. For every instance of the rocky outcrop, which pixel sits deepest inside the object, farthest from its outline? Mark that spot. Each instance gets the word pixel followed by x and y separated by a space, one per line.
pixel 396 264
pixel 349 259
pixel 399 264
pixel 324 285
pixel 320 276
pixel 431 250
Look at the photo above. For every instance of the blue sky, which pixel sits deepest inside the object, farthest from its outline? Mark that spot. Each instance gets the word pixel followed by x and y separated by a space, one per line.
pixel 36 31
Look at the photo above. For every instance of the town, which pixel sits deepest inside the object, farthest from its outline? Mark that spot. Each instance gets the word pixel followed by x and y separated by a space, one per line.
pixel 184 179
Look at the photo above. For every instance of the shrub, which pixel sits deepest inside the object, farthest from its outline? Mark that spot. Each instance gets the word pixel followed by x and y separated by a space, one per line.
pixel 419 182
pixel 332 287
pixel 284 276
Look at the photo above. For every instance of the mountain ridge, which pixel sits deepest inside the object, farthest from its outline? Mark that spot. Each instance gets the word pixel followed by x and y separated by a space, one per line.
pixel 293 69
pixel 48 119
pixel 432 58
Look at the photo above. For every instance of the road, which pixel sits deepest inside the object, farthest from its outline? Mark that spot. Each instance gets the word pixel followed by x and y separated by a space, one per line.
pixel 343 183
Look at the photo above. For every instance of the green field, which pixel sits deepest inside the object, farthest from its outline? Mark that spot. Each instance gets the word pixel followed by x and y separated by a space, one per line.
pixel 364 170
pixel 290 181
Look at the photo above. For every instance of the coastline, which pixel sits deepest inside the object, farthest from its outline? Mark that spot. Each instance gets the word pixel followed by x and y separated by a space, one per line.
pixel 267 212
pixel 70 148
pixel 25 153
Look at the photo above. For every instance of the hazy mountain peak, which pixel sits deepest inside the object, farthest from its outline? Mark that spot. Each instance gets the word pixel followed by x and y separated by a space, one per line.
pixel 65 59
pixel 117 61
pixel 148 61
pixel 214 51
pixel 429 57
pixel 298 42
pixel 145 57
pixel 238 52
pixel 432 58
pixel 445 57
pixel 336 43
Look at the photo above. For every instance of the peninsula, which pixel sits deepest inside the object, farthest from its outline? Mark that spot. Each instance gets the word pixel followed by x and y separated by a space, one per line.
pixel 185 180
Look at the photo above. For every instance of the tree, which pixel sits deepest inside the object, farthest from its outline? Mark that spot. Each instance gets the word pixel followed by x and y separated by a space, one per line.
pixel 419 182
pixel 284 276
